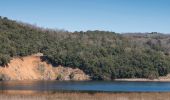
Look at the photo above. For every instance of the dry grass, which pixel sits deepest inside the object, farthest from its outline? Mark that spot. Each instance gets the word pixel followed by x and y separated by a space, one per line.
pixel 85 96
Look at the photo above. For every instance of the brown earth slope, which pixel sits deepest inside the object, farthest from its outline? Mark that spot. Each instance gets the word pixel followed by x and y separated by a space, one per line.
pixel 33 68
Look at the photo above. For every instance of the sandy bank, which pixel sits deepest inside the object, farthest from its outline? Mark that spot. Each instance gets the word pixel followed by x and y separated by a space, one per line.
pixel 143 79
pixel 160 79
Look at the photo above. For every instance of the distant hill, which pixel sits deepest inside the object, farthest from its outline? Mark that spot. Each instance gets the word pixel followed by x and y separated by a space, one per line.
pixel 101 54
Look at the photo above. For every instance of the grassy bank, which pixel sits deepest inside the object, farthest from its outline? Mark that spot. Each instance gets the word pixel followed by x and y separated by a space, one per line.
pixel 29 95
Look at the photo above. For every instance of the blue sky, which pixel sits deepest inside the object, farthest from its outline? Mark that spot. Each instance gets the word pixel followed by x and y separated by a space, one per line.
pixel 76 15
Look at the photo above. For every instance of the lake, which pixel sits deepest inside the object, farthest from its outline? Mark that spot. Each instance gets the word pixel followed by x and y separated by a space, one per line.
pixel 100 86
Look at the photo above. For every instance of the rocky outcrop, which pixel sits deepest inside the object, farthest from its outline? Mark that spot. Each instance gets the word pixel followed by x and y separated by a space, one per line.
pixel 33 68
pixel 70 74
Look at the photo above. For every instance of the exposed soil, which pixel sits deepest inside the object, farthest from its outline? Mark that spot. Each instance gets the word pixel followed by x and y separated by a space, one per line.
pixel 33 68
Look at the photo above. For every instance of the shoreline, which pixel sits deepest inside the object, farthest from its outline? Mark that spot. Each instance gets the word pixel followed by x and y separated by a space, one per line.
pixel 159 79
pixel 119 79
pixel 142 80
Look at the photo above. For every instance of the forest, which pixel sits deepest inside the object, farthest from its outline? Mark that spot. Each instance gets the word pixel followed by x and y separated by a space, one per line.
pixel 103 55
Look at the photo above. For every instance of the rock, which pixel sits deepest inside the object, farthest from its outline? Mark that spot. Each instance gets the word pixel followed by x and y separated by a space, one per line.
pixel 65 73
pixel 4 77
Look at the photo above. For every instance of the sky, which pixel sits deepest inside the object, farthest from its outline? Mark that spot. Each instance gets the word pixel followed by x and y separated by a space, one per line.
pixel 82 15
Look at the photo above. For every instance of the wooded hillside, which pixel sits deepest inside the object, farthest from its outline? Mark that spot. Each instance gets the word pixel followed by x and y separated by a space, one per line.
pixel 101 54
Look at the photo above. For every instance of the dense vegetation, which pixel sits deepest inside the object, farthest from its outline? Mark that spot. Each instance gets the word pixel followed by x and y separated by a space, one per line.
pixel 101 54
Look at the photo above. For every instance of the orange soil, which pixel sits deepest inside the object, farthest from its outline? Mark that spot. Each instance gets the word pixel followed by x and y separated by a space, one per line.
pixel 24 68
pixel 33 68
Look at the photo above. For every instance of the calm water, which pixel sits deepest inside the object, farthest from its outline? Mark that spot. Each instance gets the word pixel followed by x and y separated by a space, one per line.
pixel 105 86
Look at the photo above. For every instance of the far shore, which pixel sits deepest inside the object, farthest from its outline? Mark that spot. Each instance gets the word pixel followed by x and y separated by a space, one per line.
pixel 120 79
pixel 160 79
pixel 143 79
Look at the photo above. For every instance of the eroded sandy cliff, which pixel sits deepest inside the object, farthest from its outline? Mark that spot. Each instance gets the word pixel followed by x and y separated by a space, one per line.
pixel 33 68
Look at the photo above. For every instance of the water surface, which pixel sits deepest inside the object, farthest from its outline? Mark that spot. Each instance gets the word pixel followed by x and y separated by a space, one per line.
pixel 104 86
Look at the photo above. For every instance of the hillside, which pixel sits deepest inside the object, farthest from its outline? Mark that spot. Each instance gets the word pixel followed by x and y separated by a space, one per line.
pixel 102 55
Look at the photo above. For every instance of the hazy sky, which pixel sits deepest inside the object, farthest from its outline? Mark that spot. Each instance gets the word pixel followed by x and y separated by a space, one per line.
pixel 76 15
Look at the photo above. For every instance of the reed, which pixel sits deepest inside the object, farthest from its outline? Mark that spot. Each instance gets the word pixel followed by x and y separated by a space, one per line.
pixel 86 96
